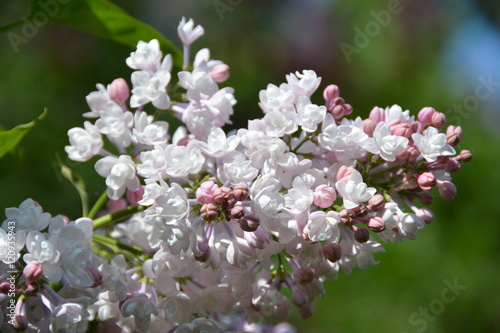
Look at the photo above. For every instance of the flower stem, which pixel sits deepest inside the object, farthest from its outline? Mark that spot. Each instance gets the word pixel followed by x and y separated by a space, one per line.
pixel 117 216
pixel 102 199
pixel 116 245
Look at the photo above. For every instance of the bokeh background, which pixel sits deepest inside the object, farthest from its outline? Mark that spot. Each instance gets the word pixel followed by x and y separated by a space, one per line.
pixel 427 53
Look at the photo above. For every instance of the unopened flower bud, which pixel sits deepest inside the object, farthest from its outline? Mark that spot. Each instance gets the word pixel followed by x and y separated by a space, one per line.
pixel 438 119
pixel 32 289
pixel 116 205
pixel 249 223
pixel 361 210
pixel 303 275
pixel 202 252
pixel 417 127
pixel 240 192
pixel 425 115
pixel 376 224
pixel 337 111
pixel 377 114
pixel 222 194
pixel 376 203
pixel 332 251
pixel 452 165
pixel 237 212
pixel 119 91
pixel 426 215
pixel 331 92
pixel 96 276
pixel 426 198
pixel 402 129
pixel 344 172
pixel 4 288
pixel 347 109
pixel 447 190
pixel 282 311
pixel 426 181
pixel 465 155
pixel 361 235
pixel 299 297
pixel 33 271
pixel 324 196
pixel 453 135
pixel 134 197
pixel 369 126
pixel 205 193
pixel 209 212
pixel 347 214
pixel 219 73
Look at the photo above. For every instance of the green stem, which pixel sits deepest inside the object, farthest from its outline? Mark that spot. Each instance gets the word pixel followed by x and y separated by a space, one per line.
pixel 116 245
pixel 117 216
pixel 300 144
pixel 102 199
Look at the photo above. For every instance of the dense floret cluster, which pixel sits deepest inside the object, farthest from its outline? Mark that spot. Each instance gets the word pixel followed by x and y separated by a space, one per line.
pixel 212 231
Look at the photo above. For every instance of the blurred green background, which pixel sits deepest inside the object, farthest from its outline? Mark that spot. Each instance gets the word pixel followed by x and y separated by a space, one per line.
pixel 424 53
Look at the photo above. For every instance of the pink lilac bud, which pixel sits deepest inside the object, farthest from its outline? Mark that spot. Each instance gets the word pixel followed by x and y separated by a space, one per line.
pixel 376 224
pixel 240 192
pixel 202 253
pixel 402 129
pixel 33 271
pixel 361 235
pixel 209 212
pixel 347 214
pixel 222 194
pixel 219 73
pixel 332 251
pixel 337 111
pixel 377 114
pixel 133 197
pixel 344 172
pixel 425 198
pixel 426 181
pixel 413 152
pixel 249 223
pixel 96 276
pixel 303 275
pixel 369 126
pixel 425 115
pixel 465 156
pixel 347 109
pixel 257 239
pixel 119 91
pixel 330 93
pixel 438 119
pixel 447 190
pixel 426 215
pixel 205 193
pixel 237 212
pixel 116 205
pixel 452 165
pixel 4 288
pixel 376 203
pixel 324 196
pixel 453 135
pixel 299 297
pixel 417 127
pixel 20 321
pixel 184 141
pixel 282 311
pixel 410 181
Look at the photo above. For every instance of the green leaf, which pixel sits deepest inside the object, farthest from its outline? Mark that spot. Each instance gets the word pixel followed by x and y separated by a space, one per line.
pixel 107 20
pixel 11 138
pixel 77 182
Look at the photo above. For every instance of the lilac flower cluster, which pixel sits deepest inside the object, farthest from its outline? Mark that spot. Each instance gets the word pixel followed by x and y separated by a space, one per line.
pixel 215 232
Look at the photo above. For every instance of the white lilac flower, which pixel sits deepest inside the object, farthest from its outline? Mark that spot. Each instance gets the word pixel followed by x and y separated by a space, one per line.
pixel 146 57
pixel 309 115
pixel 150 88
pixel 116 124
pixel 173 203
pixel 11 244
pixel 299 198
pixel 198 82
pixel 217 144
pixel 28 216
pixel 236 169
pixel 279 123
pixel 84 143
pixel 47 252
pixel 147 132
pixel 183 160
pixel 395 115
pixel 154 163
pixel 120 174
pixel 221 106
pixel 354 191
pixel 305 83
pixel 324 226
pixel 97 101
pixel 188 33
pixel 432 144
pixel 345 140
pixel 70 317
pixel 199 325
pixel 409 224
pixel 384 143
pixel 141 308
pixel 277 98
